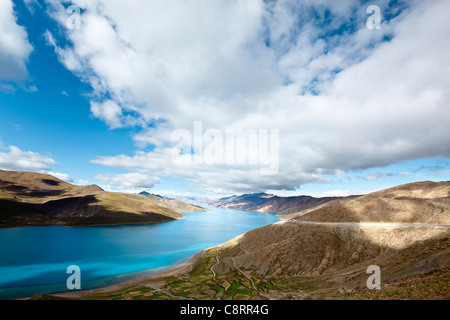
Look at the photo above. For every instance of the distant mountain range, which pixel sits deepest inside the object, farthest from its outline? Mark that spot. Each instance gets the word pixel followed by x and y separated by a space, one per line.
pixel 145 193
pixel 34 199
pixel 268 203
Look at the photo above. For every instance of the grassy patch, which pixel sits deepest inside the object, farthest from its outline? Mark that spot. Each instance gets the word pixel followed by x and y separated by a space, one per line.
pixel 230 292
pixel 181 294
pixel 235 286
pixel 217 288
pixel 245 291
pixel 171 279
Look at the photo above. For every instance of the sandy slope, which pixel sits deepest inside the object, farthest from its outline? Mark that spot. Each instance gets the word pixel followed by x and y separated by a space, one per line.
pixel 421 202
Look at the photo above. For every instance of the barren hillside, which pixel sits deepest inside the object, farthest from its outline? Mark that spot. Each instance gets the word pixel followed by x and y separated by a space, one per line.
pixel 28 199
pixel 420 202
pixel 404 230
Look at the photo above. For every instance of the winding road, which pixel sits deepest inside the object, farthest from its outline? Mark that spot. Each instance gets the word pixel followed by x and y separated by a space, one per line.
pixel 217 259
pixel 370 224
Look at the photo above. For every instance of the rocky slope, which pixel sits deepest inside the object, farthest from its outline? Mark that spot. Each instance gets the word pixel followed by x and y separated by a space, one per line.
pixel 296 259
pixel 420 202
pixel 31 199
pixel 317 252
pixel 268 203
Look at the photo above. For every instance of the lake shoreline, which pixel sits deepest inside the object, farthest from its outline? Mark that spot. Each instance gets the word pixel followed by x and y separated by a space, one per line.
pixel 212 229
pixel 184 268
pixel 87 224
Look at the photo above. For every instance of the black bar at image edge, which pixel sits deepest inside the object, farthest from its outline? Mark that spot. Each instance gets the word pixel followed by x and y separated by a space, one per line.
pixel 220 309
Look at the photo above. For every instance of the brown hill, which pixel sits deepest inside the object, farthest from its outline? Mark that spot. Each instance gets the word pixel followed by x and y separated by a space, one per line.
pixel 174 204
pixel 324 249
pixel 420 202
pixel 316 260
pixel 295 259
pixel 28 199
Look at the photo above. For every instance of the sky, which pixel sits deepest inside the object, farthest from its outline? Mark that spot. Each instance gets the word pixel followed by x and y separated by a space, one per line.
pixel 146 95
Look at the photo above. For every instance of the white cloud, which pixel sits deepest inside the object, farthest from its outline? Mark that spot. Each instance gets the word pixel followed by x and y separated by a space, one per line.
pixel 373 176
pixel 343 102
pixel 130 182
pixel 82 182
pixel 342 193
pixel 31 88
pixel 173 194
pixel 32 4
pixel 15 48
pixel 62 176
pixel 109 112
pixel 18 160
pixel 339 193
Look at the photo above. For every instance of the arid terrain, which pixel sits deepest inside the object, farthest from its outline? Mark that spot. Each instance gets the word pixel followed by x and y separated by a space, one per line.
pixel 34 199
pixel 421 202
pixel 320 254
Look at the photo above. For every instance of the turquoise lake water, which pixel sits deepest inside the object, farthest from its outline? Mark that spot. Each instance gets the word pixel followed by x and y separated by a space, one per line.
pixel 35 259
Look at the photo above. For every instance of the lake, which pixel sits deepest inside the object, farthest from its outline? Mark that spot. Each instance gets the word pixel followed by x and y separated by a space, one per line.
pixel 35 259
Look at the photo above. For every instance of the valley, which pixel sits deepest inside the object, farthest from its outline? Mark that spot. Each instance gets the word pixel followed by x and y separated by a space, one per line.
pixel 323 253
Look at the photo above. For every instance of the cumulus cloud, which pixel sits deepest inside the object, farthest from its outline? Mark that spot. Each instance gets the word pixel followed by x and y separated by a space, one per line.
pixel 15 48
pixel 343 97
pixel 18 160
pixel 82 182
pixel 128 182
pixel 109 112
pixel 61 176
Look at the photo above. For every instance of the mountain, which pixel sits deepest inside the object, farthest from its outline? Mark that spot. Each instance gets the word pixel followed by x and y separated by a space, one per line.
pixel 173 204
pixel 31 199
pixel 228 198
pixel 324 252
pixel 316 259
pixel 268 203
pixel 420 202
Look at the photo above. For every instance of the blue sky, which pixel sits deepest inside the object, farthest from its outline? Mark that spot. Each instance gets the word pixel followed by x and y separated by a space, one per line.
pixel 357 110
pixel 55 120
